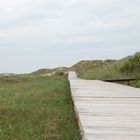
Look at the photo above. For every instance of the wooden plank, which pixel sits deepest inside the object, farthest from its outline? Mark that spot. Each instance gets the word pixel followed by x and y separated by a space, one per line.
pixel 106 111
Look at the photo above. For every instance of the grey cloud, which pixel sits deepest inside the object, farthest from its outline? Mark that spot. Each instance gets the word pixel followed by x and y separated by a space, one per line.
pixel 52 33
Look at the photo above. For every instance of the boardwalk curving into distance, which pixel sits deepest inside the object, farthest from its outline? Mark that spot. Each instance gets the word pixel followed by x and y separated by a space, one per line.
pixel 106 111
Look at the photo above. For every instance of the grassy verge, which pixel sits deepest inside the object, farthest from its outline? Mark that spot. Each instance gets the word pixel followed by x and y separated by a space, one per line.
pixel 102 70
pixel 36 108
pixel 136 84
pixel 126 68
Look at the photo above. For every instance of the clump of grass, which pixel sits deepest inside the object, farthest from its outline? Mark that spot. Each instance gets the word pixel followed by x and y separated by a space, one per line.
pixel 136 83
pixel 36 108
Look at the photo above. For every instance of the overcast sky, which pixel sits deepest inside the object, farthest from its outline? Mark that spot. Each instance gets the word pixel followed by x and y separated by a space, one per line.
pixel 37 34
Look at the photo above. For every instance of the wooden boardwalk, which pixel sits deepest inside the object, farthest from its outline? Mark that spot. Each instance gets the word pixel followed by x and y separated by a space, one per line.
pixel 106 111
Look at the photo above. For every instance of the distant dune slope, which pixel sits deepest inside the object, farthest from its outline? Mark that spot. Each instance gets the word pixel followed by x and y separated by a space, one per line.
pixel 128 67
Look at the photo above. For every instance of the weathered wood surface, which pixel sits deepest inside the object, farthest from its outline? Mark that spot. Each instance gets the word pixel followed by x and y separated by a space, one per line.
pixel 106 111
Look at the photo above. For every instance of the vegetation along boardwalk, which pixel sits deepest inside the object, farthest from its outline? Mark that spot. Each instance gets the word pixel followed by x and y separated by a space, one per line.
pixel 106 111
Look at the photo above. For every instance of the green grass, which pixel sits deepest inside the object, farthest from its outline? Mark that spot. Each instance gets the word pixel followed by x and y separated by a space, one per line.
pixel 36 108
pixel 135 83
pixel 104 70
pixel 128 67
pixel 48 71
